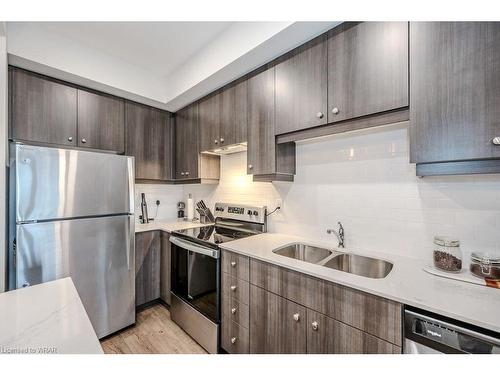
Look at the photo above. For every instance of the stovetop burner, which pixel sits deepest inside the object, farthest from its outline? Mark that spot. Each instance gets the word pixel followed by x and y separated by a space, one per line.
pixel 214 234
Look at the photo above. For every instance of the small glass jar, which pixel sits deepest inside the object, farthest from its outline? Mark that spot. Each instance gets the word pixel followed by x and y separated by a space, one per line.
pixel 485 265
pixel 447 254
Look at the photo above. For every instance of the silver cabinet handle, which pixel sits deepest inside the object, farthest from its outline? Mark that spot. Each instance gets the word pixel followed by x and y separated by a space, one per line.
pixel 233 340
pixel 222 140
pixel 216 141
pixel 250 166
pixel 70 139
pixel 233 287
pixel 233 310
pixel 84 140
pixel 315 326
pixel 182 173
pixel 335 111
pixel 296 317
pixel 496 141
pixel 187 173
pixel 319 115
pixel 233 264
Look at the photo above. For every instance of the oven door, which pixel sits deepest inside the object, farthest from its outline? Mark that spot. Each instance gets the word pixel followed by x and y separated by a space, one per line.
pixel 195 276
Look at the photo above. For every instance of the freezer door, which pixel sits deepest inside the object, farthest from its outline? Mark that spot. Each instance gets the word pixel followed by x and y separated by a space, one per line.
pixel 98 254
pixel 54 183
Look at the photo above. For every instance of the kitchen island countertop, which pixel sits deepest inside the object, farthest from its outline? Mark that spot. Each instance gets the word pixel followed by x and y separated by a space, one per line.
pixel 47 318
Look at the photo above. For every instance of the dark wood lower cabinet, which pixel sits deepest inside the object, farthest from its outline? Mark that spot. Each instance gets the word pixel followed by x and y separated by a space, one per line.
pixel 277 325
pixel 147 267
pixel 329 336
pixel 165 263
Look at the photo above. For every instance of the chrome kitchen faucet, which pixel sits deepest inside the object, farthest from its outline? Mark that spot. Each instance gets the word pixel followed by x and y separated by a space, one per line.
pixel 339 234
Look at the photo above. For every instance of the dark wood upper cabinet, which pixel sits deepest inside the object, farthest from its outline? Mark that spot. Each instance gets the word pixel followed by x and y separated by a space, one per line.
pixel 301 88
pixel 266 160
pixel 277 325
pixel 261 124
pixel 187 146
pixel 209 122
pixel 455 95
pixel 42 110
pixel 367 69
pixel 233 114
pixel 149 137
pixel 101 121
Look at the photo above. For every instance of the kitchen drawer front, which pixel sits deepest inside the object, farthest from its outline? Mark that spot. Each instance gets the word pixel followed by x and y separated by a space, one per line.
pixel 235 310
pixel 234 264
pixel 378 316
pixel 329 336
pixel 235 288
pixel 234 338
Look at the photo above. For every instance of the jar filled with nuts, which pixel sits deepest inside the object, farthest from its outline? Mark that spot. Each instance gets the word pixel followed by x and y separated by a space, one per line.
pixel 447 254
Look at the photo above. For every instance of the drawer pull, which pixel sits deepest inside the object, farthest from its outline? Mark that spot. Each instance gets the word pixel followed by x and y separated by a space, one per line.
pixel 233 287
pixel 496 141
pixel 233 340
pixel 315 326
pixel 233 264
pixel 233 310
pixel 296 317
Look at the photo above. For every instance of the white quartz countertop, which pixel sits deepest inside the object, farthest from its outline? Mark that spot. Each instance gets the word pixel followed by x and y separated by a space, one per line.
pixel 407 283
pixel 167 225
pixel 46 318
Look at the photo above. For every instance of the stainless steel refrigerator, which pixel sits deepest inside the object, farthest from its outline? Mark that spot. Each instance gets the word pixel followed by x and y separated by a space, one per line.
pixel 71 213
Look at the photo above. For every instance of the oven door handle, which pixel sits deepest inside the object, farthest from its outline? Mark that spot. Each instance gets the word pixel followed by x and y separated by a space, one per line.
pixel 188 245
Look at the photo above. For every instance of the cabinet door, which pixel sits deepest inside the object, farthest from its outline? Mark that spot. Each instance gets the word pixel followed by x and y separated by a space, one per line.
pixel 367 69
pixel 329 336
pixel 42 110
pixel 147 267
pixel 277 326
pixel 233 114
pixel 209 123
pixel 261 151
pixel 187 148
pixel 455 90
pixel 149 138
pixel 301 88
pixel 165 264
pixel 101 122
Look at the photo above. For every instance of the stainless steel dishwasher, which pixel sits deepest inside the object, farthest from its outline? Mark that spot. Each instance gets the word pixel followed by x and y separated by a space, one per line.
pixel 427 333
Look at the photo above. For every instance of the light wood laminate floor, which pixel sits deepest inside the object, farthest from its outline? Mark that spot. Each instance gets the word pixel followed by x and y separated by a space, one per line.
pixel 153 333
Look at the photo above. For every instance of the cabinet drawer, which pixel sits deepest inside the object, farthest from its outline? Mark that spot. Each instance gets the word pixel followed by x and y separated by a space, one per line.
pixel 234 264
pixel 376 315
pixel 235 288
pixel 235 310
pixel 329 336
pixel 234 337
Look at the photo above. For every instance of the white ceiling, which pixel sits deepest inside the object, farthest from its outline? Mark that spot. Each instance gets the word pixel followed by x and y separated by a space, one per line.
pixel 160 47
pixel 164 64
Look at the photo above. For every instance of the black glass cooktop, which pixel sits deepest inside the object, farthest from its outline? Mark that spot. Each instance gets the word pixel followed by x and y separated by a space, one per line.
pixel 213 234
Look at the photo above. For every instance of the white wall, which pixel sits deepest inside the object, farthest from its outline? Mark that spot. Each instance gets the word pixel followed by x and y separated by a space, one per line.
pixel 3 152
pixel 168 195
pixel 364 179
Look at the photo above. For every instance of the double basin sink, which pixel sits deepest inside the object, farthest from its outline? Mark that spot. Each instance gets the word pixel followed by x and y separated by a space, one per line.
pixel 351 263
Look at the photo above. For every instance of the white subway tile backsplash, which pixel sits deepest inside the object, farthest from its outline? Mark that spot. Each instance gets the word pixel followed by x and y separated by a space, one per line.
pixel 168 195
pixel 365 180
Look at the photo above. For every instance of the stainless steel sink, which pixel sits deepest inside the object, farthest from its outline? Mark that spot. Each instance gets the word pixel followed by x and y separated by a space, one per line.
pixel 304 252
pixel 360 265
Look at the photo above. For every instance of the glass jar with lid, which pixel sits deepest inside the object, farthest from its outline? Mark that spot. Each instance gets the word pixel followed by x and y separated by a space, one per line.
pixel 447 254
pixel 485 265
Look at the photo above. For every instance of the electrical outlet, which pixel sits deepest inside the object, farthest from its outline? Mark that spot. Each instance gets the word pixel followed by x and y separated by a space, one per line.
pixel 279 203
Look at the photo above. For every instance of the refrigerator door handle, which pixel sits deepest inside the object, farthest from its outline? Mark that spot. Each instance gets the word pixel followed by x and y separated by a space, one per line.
pixel 131 184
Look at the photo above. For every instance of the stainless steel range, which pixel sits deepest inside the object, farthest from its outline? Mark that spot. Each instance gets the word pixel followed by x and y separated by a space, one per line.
pixel 196 269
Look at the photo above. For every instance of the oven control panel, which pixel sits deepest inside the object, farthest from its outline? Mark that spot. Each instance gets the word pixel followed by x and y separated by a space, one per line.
pixel 255 214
